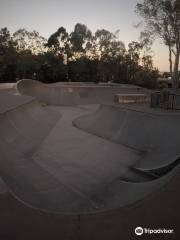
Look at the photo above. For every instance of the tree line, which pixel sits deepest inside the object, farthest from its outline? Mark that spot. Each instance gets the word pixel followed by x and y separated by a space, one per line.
pixel 77 56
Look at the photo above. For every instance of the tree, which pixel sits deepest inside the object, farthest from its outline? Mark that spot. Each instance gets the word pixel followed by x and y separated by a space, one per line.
pixel 161 20
pixel 147 62
pixel 134 51
pixel 83 70
pixel 103 39
pixel 146 78
pixel 31 41
pixel 80 39
pixel 8 56
pixel 58 42
pixel 27 64
pixel 109 50
pixel 90 57
pixel 52 68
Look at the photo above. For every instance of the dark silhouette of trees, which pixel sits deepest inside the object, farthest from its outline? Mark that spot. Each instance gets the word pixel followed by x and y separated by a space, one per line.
pixel 78 56
pixel 58 42
pixel 31 41
pixel 80 39
pixel 8 56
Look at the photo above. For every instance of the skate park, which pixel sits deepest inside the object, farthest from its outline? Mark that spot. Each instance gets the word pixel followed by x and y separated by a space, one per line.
pixel 72 156
pixel 89 120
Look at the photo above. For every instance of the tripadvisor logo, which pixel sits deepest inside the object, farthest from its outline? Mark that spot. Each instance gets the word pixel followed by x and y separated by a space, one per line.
pixel 139 231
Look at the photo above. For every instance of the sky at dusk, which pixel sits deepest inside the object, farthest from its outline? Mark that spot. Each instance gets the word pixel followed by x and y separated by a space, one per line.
pixel 46 16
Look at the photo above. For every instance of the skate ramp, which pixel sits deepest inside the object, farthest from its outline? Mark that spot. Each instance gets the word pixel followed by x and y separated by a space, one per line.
pixel 154 136
pixel 73 94
pixel 50 165
pixel 61 182
pixel 48 94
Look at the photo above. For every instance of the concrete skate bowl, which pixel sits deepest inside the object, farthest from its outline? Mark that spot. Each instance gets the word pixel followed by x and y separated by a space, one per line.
pixel 153 136
pixel 67 182
pixel 49 165
pixel 69 94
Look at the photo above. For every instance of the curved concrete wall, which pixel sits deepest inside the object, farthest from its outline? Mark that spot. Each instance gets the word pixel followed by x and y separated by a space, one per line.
pixel 155 136
pixel 48 94
pixel 23 129
pixel 68 95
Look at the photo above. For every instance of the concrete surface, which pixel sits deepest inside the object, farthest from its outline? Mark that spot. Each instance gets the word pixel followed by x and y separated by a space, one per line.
pixel 84 172
pixel 151 134
pixel 68 95
pixel 131 98
pixel 7 86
